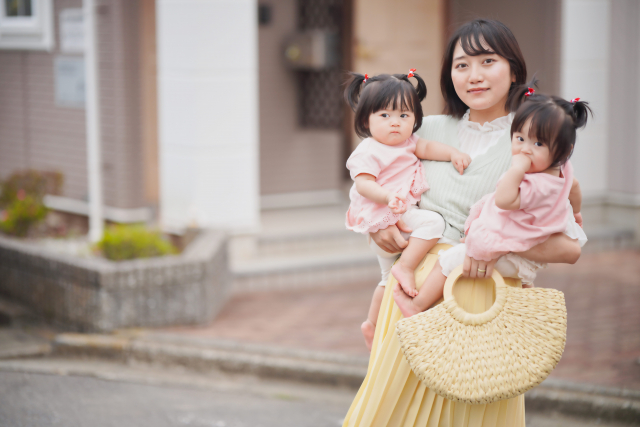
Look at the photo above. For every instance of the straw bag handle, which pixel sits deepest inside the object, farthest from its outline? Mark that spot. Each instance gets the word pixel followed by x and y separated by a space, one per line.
pixel 465 317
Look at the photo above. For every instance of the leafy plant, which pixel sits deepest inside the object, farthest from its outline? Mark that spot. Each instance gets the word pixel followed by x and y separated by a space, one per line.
pixel 21 205
pixel 123 242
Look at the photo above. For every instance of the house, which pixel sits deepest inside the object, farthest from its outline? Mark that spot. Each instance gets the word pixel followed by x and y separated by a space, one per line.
pixel 207 118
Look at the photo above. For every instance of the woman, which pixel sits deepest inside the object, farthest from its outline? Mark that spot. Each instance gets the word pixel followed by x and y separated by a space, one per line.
pixel 482 67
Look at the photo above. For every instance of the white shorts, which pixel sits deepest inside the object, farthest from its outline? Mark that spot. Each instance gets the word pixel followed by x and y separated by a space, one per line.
pixel 426 225
pixel 509 265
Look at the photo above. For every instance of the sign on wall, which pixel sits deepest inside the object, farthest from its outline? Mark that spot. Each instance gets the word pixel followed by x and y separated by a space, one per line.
pixel 70 81
pixel 71 30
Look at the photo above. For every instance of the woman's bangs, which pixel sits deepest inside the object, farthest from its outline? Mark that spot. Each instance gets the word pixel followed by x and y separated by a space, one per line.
pixel 474 42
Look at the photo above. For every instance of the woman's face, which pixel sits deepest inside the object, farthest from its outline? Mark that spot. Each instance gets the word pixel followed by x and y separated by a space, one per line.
pixel 482 82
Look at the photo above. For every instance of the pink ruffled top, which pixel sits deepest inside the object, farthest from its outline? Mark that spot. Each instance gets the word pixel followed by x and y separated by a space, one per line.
pixel 544 211
pixel 396 169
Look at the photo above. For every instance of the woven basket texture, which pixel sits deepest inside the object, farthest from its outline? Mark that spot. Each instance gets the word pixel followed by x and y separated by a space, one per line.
pixel 485 357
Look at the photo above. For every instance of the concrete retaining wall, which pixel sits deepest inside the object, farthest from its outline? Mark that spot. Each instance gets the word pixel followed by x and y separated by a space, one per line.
pixel 101 295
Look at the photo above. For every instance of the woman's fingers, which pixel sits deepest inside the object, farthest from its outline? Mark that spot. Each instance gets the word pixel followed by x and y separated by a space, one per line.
pixel 466 266
pixel 481 269
pixel 403 227
pixel 389 239
pixel 473 272
pixel 490 265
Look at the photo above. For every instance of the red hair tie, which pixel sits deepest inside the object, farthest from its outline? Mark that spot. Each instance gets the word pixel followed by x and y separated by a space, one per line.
pixel 411 71
pixel 529 92
pixel 574 100
pixel 366 77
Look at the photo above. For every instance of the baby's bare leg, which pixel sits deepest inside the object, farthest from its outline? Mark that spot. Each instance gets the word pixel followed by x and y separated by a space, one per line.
pixel 369 326
pixel 404 269
pixel 430 292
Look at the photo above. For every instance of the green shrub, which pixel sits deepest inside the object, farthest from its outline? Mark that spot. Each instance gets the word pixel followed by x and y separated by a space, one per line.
pixel 122 242
pixel 21 205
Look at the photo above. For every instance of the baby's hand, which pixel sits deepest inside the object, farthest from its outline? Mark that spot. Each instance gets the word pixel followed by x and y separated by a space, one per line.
pixel 460 161
pixel 578 218
pixel 397 203
pixel 521 161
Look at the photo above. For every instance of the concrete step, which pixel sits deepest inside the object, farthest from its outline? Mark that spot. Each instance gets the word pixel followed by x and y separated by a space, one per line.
pixel 289 271
pixel 299 248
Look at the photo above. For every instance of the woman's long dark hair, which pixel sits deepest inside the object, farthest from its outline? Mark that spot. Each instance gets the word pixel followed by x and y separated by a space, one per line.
pixel 500 40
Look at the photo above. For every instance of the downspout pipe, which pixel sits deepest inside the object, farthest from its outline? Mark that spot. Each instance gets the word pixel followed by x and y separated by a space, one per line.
pixel 92 112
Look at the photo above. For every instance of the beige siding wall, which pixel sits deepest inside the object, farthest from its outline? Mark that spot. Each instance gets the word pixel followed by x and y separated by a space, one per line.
pixel 393 37
pixel 36 133
pixel 291 159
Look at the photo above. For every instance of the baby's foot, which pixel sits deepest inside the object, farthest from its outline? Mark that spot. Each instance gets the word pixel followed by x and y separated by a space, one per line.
pixel 406 278
pixel 404 302
pixel 368 331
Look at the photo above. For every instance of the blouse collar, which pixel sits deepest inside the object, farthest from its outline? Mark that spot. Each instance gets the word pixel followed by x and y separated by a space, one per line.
pixel 501 123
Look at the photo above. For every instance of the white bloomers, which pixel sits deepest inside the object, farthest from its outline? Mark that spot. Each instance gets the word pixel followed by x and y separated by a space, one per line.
pixel 426 225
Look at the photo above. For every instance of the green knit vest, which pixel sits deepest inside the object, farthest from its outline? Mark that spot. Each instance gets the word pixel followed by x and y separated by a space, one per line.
pixel 452 194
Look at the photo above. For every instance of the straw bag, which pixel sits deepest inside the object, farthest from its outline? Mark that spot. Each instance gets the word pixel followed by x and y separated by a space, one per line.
pixel 486 357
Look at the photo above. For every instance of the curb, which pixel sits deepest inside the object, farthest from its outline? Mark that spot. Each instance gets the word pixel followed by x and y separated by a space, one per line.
pixel 554 395
pixel 203 355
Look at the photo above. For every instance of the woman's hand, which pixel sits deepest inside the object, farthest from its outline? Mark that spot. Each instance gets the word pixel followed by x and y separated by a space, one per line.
pixel 479 269
pixel 390 239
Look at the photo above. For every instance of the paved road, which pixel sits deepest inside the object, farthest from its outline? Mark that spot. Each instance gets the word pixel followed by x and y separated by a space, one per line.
pixel 80 393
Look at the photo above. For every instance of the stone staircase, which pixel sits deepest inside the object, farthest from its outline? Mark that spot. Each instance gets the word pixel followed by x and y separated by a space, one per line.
pixel 302 247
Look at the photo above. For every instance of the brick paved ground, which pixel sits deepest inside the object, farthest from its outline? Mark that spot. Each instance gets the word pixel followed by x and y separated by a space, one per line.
pixel 603 302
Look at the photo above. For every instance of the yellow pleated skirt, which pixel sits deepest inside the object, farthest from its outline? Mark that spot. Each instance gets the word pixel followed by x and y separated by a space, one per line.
pixel 391 395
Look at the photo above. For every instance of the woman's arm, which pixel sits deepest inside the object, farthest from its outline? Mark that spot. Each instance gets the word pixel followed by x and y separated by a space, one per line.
pixel 557 249
pixel 433 150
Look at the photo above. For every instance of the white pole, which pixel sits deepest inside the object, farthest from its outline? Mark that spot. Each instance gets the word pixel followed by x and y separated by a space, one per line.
pixel 92 112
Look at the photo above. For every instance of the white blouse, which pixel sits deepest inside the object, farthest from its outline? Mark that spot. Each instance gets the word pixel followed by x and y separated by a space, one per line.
pixel 476 139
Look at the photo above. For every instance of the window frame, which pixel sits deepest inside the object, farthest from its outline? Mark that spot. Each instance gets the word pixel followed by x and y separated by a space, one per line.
pixel 33 32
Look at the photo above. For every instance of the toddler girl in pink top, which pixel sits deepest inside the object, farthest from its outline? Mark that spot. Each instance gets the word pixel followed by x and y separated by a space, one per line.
pixel 532 200
pixel 388 175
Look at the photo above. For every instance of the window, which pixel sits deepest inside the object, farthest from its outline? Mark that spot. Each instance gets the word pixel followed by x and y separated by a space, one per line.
pixel 15 8
pixel 26 24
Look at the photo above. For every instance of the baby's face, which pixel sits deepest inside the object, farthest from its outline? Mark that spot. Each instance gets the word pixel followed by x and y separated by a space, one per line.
pixel 391 127
pixel 535 150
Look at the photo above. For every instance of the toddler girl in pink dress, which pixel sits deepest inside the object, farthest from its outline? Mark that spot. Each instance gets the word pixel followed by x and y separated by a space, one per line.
pixel 532 201
pixel 388 175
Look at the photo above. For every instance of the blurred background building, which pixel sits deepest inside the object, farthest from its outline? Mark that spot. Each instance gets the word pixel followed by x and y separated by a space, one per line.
pixel 213 110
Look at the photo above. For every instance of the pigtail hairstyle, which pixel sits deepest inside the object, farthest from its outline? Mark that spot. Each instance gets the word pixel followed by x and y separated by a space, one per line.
pixel 353 89
pixel 381 92
pixel 581 112
pixel 554 122
pixel 421 89
pixel 521 93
